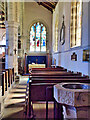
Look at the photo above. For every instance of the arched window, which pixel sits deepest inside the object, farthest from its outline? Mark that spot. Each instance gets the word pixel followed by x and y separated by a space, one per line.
pixel 55 43
pixel 76 23
pixel 38 37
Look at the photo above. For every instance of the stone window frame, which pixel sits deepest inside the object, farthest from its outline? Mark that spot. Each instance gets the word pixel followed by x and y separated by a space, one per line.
pixel 47 36
pixel 55 46
pixel 75 41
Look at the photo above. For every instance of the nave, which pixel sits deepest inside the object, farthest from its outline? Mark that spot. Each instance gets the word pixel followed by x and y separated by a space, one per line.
pixel 44 59
pixel 33 96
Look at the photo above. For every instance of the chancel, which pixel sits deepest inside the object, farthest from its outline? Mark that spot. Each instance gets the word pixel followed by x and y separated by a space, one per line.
pixel 44 59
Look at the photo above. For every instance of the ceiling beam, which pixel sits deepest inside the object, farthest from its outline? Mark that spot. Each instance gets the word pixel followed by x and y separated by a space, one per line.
pixel 49 4
pixel 45 5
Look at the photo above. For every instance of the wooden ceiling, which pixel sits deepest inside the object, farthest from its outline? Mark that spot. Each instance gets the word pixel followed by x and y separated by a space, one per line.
pixel 48 4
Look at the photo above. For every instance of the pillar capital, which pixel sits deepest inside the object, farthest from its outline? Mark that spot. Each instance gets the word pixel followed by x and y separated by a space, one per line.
pixel 11 24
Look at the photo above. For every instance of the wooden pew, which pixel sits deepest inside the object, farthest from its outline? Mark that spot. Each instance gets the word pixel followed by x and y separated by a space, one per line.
pixel 35 70
pixel 37 92
pixel 41 80
pixel 2 76
pixel 3 84
pixel 47 72
pixel 47 69
pixel 85 80
pixel 6 79
pixel 37 89
pixel 56 77
pixel 9 76
pixel 13 74
pixel 54 74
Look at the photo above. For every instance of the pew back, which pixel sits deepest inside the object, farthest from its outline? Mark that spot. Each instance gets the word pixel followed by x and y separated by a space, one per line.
pixel 7 78
pixel 42 78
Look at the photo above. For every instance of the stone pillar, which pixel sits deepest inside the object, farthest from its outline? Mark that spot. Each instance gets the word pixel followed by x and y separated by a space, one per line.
pixel 25 63
pixel 21 18
pixel 22 51
pixel 24 48
pixel 12 37
pixel 48 59
pixel 12 45
pixel 11 11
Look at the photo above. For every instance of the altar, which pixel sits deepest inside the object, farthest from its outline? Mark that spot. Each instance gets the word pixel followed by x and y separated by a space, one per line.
pixel 36 62
pixel 36 66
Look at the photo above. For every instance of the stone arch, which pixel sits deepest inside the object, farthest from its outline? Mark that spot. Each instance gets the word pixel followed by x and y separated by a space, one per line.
pixel 3 35
pixel 3 43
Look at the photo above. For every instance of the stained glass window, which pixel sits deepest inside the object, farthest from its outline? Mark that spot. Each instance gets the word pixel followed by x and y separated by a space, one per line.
pixel 43 39
pixel 32 38
pixel 38 37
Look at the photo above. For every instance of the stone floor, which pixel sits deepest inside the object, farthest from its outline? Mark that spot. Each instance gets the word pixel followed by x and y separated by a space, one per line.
pixel 14 103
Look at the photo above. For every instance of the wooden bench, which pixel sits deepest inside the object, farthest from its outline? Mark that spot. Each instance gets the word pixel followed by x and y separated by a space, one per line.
pixel 53 74
pixel 57 77
pixel 42 80
pixel 85 80
pixel 37 90
pixel 47 69
pixel 11 76
pixel 34 70
pixel 47 72
pixel 7 78
pixel 2 76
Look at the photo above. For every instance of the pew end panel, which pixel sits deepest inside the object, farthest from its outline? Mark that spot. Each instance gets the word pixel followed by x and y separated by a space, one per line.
pixel 3 83
pixel 38 91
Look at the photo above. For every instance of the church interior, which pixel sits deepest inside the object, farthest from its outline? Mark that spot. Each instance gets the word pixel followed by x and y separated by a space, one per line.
pixel 44 59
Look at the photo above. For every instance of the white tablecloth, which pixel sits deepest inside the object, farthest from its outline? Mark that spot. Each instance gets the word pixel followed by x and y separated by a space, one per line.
pixel 36 66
